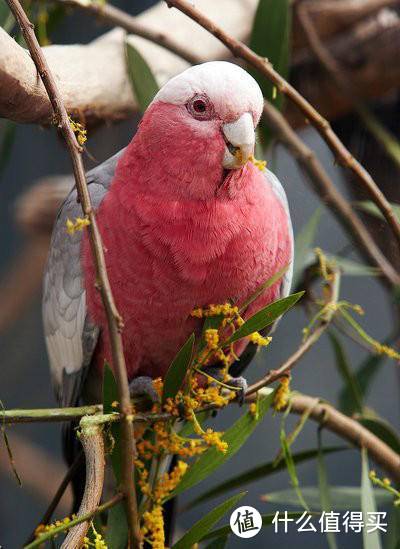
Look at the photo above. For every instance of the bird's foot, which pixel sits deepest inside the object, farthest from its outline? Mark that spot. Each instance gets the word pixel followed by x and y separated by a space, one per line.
pixel 143 386
pixel 241 386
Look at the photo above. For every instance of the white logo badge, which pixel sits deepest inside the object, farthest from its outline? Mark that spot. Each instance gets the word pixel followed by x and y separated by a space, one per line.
pixel 245 522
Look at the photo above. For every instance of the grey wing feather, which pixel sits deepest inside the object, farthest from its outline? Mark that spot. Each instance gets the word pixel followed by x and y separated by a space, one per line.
pixel 250 351
pixel 280 192
pixel 70 336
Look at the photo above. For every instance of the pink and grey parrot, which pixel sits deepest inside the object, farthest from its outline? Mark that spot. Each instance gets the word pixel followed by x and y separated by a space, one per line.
pixel 185 220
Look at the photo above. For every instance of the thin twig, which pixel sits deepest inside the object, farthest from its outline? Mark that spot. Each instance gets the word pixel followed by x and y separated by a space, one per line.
pixel 60 529
pixel 342 155
pixel 344 84
pixel 324 322
pixel 48 415
pixel 114 320
pixel 69 475
pixel 114 16
pixel 91 437
pixel 329 193
pixel 351 430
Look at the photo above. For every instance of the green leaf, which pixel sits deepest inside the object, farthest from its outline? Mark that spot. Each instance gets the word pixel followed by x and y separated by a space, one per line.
pixel 267 284
pixel 291 467
pixel 266 521
pixel 350 381
pixel 177 371
pixel 324 490
pixel 235 436
pixel 110 395
pixel 371 540
pixel 218 543
pixel 383 430
pixel 258 472
pixel 117 527
pixel 373 209
pixel 204 525
pixel 365 374
pixel 303 257
pixel 392 538
pixel 143 82
pixel 270 37
pixel 265 317
pixel 4 11
pixel 343 498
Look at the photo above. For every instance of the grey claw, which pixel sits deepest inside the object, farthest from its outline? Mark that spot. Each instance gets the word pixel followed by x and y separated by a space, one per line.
pixel 143 385
pixel 241 384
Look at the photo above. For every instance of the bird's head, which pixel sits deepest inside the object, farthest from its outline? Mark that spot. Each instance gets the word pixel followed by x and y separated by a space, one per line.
pixel 201 126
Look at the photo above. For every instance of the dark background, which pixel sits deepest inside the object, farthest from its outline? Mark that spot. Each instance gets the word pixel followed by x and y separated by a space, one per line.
pixel 24 377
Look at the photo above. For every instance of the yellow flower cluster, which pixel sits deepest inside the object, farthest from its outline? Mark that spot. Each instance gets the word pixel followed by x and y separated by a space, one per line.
pixel 42 528
pixel 213 438
pixel 225 309
pixel 386 350
pixel 258 339
pixel 98 543
pixel 79 131
pixel 211 337
pixel 282 394
pixel 260 164
pixel 153 527
pixel 253 410
pixel 78 225
pixel 386 484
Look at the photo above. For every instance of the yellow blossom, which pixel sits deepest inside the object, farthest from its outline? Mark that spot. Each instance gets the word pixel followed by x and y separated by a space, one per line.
pixel 153 527
pixel 77 225
pixel 258 339
pixel 79 131
pixel 211 338
pixel 213 438
pixel 253 409
pixel 260 164
pixel 282 394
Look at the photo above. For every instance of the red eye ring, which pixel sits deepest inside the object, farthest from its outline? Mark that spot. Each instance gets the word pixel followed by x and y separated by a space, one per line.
pixel 200 107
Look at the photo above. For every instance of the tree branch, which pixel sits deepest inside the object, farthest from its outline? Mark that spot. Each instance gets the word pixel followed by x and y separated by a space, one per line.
pixel 342 155
pixel 114 320
pixel 115 17
pixel 329 194
pixel 84 71
pixel 91 437
pixel 60 529
pixel 349 429
pixel 324 321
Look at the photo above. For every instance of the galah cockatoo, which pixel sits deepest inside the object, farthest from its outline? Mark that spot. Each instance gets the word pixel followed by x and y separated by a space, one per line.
pixel 186 221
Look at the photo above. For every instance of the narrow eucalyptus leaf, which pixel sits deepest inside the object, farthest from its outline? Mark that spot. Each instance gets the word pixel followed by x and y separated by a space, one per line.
pixel 261 471
pixel 204 525
pixel 142 79
pixel 265 317
pixel 235 436
pixel 177 371
pixel 372 540
pixel 343 498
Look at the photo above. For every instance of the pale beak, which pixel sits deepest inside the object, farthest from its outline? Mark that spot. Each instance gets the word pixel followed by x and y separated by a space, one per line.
pixel 239 141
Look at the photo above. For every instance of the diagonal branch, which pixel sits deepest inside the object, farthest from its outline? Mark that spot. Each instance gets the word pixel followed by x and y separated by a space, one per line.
pixel 343 156
pixel 114 320
pixel 116 17
pixel 91 437
pixel 349 429
pixel 329 194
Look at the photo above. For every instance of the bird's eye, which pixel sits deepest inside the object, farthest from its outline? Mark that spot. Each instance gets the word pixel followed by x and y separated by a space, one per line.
pixel 200 108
